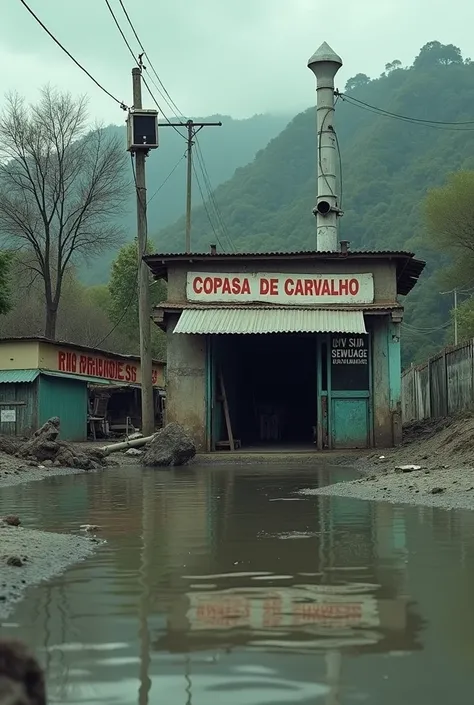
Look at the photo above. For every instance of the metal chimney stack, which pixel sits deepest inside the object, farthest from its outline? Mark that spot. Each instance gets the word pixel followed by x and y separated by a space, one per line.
pixel 325 63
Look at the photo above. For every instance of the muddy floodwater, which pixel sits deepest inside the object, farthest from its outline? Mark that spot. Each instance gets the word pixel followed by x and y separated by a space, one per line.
pixel 223 586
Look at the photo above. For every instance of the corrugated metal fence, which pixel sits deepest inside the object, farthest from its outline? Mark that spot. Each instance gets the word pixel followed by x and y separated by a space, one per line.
pixel 442 386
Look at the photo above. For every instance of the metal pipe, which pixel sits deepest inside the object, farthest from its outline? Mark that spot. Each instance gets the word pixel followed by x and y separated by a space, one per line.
pixel 325 63
pixel 136 443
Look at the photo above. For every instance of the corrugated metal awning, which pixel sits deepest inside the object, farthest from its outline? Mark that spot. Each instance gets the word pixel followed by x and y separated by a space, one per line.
pixel 269 320
pixel 18 376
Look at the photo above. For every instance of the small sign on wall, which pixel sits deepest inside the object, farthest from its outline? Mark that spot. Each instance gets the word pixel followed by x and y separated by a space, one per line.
pixel 349 362
pixel 8 415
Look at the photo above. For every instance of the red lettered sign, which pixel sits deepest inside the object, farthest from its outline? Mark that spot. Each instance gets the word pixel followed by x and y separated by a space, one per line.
pixel 278 288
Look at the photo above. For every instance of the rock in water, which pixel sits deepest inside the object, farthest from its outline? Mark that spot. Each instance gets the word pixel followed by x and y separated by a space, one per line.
pixel 170 446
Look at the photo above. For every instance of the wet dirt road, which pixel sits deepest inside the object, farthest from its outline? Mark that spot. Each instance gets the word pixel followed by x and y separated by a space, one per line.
pixel 220 586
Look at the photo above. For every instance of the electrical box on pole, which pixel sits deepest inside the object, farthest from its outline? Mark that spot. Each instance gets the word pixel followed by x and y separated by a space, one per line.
pixel 142 130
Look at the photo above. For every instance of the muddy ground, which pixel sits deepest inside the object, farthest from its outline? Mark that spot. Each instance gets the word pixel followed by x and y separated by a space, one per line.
pixel 444 451
pixel 14 471
pixel 27 557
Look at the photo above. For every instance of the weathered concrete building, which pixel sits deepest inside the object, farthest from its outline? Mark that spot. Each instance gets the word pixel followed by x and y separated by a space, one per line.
pixel 285 348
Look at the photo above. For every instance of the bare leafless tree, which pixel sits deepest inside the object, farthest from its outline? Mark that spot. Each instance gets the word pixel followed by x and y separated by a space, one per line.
pixel 62 186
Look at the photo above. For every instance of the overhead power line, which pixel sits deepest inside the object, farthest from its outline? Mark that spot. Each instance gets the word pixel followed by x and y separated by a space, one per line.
pixel 78 64
pixel 206 208
pixel 175 107
pixel 183 156
pixel 211 194
pixel 122 33
pixel 138 62
pixel 465 126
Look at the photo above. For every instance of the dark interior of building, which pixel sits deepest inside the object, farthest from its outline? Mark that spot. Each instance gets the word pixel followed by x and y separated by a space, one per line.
pixel 271 387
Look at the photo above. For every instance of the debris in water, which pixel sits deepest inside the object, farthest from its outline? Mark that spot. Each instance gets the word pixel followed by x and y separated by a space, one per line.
pixel 407 468
pixel 90 527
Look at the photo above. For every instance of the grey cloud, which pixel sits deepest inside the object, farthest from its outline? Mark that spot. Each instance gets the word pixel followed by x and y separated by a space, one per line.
pixel 237 57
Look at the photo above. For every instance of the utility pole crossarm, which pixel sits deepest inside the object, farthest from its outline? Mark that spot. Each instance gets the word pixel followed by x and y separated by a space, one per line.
pixel 194 124
pixel 193 128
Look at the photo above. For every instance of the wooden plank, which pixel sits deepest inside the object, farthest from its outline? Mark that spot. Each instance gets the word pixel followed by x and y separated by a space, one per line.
pixel 226 411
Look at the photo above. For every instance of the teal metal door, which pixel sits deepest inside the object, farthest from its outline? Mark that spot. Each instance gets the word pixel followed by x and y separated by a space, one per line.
pixel 350 423
pixel 350 391
pixel 68 399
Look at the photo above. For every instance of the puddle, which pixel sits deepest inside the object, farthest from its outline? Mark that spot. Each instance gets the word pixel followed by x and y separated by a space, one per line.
pixel 214 588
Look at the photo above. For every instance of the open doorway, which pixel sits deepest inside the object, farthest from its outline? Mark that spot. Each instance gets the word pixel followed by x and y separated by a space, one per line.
pixel 271 389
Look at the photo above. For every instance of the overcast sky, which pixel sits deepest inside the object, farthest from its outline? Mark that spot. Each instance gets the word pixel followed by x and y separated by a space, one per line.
pixel 237 57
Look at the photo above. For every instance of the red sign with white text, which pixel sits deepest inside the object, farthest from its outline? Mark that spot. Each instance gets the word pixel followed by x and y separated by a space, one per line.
pixel 296 289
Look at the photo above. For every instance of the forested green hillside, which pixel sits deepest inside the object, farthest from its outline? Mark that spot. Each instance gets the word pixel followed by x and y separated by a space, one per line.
pixel 387 166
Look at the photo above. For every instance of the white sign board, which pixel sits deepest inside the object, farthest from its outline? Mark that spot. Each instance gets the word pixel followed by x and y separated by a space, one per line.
pixel 8 415
pixel 278 288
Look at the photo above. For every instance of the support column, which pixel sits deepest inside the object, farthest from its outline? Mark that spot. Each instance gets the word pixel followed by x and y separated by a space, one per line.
pixel 381 398
pixel 395 379
pixel 186 382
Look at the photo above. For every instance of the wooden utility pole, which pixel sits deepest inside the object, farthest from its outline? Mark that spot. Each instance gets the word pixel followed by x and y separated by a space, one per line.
pixel 193 128
pixel 189 181
pixel 144 313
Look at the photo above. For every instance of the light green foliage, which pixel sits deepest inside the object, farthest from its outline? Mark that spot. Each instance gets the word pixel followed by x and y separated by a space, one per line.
pixel 123 304
pixel 465 319
pixel 449 213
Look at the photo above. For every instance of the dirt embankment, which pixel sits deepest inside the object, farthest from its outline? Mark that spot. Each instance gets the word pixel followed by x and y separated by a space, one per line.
pixel 434 466
pixel 28 556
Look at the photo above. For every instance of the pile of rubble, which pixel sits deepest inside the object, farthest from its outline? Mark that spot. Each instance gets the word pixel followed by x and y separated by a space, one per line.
pixel 45 449
pixel 168 447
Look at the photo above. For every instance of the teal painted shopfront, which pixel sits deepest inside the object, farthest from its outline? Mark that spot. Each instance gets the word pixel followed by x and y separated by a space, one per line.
pixel 86 388
pixel 28 398
pixel 327 401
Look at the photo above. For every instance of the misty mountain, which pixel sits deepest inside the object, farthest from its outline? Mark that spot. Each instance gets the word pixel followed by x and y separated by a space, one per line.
pixel 223 150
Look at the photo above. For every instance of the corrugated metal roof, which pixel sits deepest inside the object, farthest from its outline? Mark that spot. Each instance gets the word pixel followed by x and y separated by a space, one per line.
pixel 377 307
pixel 278 253
pixel 276 320
pixel 18 376
pixel 408 268
pixel 80 378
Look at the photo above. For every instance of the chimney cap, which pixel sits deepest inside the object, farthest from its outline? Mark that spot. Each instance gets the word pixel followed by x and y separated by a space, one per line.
pixel 324 55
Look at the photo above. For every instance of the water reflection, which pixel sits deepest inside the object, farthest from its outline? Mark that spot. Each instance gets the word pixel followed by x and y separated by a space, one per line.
pixel 212 590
